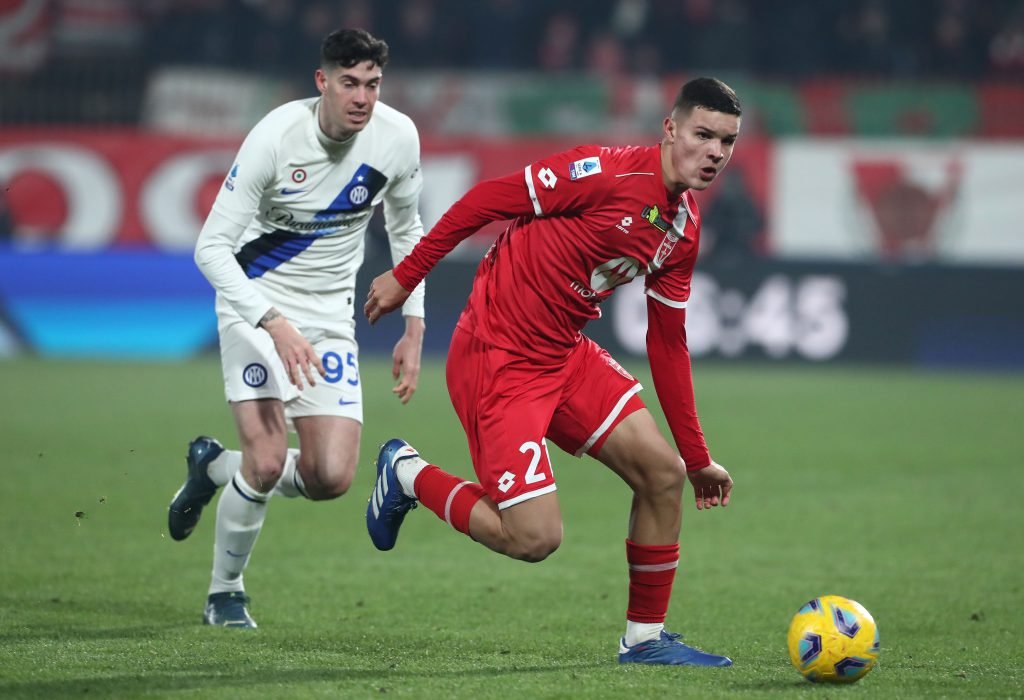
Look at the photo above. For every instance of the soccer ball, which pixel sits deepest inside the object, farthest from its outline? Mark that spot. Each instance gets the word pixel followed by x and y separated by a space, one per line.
pixel 833 639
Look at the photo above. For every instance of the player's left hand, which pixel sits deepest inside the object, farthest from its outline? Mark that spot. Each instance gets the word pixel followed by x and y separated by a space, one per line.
pixel 297 354
pixel 712 486
pixel 385 295
pixel 408 353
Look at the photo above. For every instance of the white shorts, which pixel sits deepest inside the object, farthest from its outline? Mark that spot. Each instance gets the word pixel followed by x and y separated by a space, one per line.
pixel 253 370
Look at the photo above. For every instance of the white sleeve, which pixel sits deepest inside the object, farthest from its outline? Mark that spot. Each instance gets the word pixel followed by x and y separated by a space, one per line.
pixel 215 257
pixel 237 203
pixel 405 230
pixel 402 220
pixel 251 174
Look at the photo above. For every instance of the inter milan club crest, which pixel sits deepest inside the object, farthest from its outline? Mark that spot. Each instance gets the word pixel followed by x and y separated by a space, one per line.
pixel 255 375
pixel 358 194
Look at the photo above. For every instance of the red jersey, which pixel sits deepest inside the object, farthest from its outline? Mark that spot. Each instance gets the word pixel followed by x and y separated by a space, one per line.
pixel 586 221
pixel 583 222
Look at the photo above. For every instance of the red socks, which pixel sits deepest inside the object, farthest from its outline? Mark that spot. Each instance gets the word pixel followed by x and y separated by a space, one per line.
pixel 652 569
pixel 450 497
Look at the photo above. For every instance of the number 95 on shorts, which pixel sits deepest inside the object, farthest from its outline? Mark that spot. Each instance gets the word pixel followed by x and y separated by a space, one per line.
pixel 253 370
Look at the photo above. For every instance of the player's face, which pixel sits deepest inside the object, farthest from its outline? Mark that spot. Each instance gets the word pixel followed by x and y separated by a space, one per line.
pixel 696 147
pixel 349 95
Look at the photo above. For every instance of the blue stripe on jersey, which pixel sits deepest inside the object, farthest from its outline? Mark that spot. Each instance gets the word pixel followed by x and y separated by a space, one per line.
pixel 358 194
pixel 271 250
pixel 277 247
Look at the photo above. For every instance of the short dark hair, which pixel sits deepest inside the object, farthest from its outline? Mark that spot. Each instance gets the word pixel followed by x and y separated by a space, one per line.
pixel 347 47
pixel 709 93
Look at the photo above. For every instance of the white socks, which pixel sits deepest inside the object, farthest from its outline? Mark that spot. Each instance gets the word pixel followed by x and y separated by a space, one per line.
pixel 224 467
pixel 290 485
pixel 240 515
pixel 228 462
pixel 637 632
pixel 407 470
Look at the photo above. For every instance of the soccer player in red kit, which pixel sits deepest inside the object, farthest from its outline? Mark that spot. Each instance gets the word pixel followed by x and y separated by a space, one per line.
pixel 520 371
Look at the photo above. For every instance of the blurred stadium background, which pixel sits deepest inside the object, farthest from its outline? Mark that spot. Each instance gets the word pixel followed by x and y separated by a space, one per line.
pixel 873 211
pixel 857 320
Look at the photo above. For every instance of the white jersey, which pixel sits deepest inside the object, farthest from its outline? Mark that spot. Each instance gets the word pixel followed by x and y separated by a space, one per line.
pixel 288 226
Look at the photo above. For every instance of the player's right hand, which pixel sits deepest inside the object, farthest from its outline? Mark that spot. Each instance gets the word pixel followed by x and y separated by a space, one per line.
pixel 712 486
pixel 385 295
pixel 296 353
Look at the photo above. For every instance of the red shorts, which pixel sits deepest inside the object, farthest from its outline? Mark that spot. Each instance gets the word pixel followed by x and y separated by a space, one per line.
pixel 508 405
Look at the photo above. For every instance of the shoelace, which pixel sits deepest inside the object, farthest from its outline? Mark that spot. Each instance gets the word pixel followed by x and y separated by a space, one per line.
pixel 668 640
pixel 235 608
pixel 403 506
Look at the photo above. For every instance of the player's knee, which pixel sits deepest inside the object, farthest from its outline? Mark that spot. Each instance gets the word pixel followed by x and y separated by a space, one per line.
pixel 325 489
pixel 264 470
pixel 536 546
pixel 329 481
pixel 662 475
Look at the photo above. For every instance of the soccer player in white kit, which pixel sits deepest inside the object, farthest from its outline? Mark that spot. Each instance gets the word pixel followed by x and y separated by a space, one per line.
pixel 282 246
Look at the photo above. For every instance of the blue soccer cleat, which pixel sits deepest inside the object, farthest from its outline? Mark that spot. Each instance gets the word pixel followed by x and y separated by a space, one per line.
pixel 229 609
pixel 388 504
pixel 198 489
pixel 668 650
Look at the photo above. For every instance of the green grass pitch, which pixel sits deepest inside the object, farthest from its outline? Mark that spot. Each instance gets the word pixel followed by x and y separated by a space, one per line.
pixel 897 488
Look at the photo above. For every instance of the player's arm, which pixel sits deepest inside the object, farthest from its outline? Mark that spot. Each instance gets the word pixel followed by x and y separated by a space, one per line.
pixel 671 370
pixel 491 200
pixel 405 229
pixel 401 213
pixel 543 188
pixel 232 211
pixel 215 258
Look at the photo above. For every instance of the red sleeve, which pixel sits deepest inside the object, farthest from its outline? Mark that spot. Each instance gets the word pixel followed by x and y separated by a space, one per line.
pixel 570 181
pixel 673 381
pixel 562 182
pixel 491 200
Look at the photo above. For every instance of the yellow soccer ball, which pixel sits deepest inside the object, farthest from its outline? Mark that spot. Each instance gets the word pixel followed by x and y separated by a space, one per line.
pixel 833 639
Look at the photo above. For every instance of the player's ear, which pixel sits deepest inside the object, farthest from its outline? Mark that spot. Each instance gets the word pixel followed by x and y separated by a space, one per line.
pixel 320 78
pixel 670 129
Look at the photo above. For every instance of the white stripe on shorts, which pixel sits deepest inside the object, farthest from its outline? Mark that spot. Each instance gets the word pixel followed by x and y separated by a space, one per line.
pixel 526 496
pixel 609 420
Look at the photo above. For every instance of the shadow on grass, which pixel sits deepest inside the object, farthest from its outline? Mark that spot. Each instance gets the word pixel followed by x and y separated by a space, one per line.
pixel 83 634
pixel 150 682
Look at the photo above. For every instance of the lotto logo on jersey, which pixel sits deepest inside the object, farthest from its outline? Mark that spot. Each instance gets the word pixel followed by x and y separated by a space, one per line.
pixel 584 168
pixel 547 178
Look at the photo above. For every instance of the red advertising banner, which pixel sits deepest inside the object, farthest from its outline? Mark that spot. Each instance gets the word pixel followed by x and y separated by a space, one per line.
pixel 89 189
